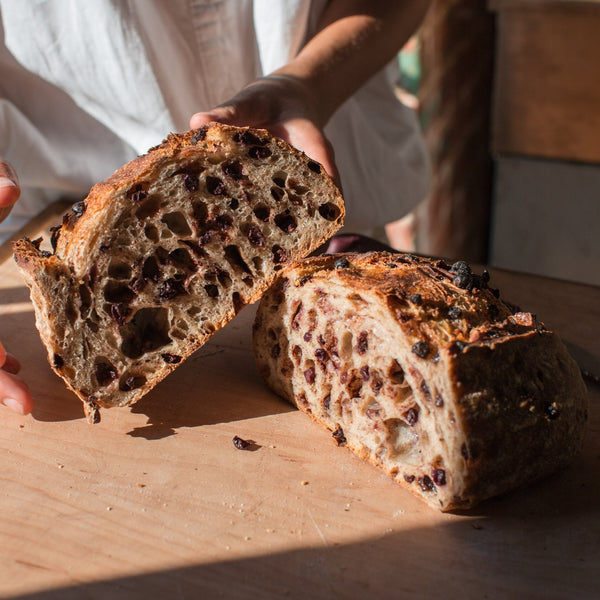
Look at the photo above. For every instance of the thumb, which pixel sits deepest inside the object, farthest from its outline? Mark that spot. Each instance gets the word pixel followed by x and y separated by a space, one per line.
pixel 221 114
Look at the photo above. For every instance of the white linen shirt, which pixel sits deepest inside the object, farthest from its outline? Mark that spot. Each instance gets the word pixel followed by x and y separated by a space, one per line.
pixel 86 86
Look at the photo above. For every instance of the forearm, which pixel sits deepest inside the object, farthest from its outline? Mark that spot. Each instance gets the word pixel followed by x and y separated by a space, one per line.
pixel 356 38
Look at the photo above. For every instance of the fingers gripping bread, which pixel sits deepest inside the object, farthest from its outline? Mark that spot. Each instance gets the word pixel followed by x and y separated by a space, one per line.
pixel 419 368
pixel 166 251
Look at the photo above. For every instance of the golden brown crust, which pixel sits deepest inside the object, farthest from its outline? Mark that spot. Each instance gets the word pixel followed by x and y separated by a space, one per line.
pixel 427 372
pixel 167 250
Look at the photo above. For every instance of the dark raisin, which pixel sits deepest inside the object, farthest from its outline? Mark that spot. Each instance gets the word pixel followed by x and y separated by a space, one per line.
pixel 287 223
pixel 339 436
pixel 223 222
pixel 137 193
pixel 552 411
pixel 412 416
pixel 259 152
pixel 309 375
pixel 376 383
pixel 307 336
pixel 409 478
pixel 329 211
pixel 362 344
pixel 54 235
pixel 215 186
pixel 341 263
pixel 327 401
pixel 463 281
pixel 104 247
pixel 416 299
pixel 105 373
pixel 212 290
pixel 275 351
pixel 191 182
pixel 242 444
pixel 321 355
pixel 119 312
pixel 171 359
pixel 454 312
pixel 425 483
pixel 199 135
pixel 132 383
pixel 58 361
pixel 485 276
pixel 171 288
pixel 256 237
pixel 234 203
pixel 137 285
pixel 456 347
pixel 279 255
pixel 249 139
pixel 233 169
pixel 439 401
pixel 78 208
pixel 460 266
pixel 421 349
pixel 45 254
pixel 314 166
pixel 425 388
pixel 439 476
pixel 364 371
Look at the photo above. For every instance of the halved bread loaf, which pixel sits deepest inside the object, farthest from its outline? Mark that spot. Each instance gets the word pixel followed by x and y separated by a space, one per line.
pixel 166 251
pixel 420 368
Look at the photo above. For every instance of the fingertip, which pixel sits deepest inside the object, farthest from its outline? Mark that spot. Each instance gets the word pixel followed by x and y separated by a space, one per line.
pixel 15 394
pixel 201 118
pixel 9 192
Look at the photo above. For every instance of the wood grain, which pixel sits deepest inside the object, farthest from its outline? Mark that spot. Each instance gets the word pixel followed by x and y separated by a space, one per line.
pixel 156 501
pixel 547 91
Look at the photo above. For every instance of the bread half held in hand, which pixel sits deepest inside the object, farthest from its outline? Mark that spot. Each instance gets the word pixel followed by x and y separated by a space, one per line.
pixel 166 251
pixel 418 366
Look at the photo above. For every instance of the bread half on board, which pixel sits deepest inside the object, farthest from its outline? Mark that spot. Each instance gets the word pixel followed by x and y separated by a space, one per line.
pixel 166 251
pixel 420 368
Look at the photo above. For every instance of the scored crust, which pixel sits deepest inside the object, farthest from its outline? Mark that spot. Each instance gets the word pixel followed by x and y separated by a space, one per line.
pixel 167 250
pixel 420 368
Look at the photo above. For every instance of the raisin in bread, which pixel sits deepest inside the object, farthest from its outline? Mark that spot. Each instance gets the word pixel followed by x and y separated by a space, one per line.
pixel 166 251
pixel 421 369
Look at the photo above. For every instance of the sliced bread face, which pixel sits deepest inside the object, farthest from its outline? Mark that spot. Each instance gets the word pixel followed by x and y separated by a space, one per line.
pixel 418 367
pixel 166 251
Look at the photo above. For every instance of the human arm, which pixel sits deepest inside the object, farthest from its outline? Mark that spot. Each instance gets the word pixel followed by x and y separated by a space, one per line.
pixel 355 39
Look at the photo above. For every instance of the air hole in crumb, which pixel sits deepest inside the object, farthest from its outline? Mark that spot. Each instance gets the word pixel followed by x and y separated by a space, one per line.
pixel 262 212
pixel 119 270
pixel 151 233
pixel 148 208
pixel 177 223
pixel 234 258
pixel 287 223
pixel 329 211
pixel 258 263
pixel 182 259
pixel 150 269
pixel 277 193
pixel 279 178
pixel 148 330
pixel 346 345
pixel 238 302
pixel 117 292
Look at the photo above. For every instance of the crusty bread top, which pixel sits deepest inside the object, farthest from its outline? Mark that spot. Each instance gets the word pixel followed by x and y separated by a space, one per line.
pixel 434 302
pixel 77 238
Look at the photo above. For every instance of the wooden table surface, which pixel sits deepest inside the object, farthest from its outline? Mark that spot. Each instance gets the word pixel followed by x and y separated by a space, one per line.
pixel 156 502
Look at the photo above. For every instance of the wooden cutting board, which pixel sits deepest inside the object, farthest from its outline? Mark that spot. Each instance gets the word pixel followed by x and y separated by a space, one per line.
pixel 156 501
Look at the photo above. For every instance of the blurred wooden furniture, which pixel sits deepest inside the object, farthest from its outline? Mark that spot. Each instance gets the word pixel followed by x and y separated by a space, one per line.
pixel 546 138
